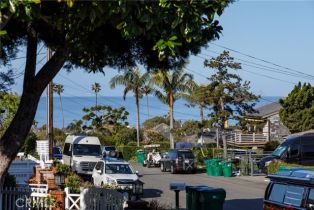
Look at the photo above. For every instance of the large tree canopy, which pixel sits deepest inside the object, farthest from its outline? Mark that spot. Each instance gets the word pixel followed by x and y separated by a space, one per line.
pixel 297 111
pixel 93 35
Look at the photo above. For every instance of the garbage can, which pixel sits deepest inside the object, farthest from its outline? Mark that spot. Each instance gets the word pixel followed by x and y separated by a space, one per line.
pixel 211 199
pixel 227 169
pixel 209 168
pixel 217 167
pixel 140 156
pixel 192 196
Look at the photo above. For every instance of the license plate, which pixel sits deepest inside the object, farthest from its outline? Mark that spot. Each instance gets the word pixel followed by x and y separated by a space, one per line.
pixel 186 161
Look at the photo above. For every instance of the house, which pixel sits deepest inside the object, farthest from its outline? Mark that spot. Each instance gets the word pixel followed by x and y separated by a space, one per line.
pixel 267 121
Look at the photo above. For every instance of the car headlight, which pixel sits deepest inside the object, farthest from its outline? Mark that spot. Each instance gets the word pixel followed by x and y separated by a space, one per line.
pixel 267 163
pixel 111 181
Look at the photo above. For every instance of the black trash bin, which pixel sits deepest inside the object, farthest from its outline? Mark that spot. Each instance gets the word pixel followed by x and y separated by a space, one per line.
pixel 192 196
pixel 211 199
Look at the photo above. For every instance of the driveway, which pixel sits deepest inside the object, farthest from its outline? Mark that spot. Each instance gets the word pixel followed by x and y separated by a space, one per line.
pixel 242 192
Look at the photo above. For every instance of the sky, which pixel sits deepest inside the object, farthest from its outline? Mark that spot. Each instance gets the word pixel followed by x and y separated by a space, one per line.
pixel 278 32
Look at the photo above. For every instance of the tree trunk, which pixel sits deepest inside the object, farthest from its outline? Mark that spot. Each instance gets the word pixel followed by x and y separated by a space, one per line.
pixel 147 106
pixel 224 145
pixel 201 113
pixel 171 121
pixel 34 85
pixel 138 120
pixel 61 111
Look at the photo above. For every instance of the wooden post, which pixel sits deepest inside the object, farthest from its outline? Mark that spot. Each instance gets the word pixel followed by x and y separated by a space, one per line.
pixel 50 111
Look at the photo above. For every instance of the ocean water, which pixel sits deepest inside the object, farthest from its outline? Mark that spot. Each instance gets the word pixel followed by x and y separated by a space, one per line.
pixel 72 108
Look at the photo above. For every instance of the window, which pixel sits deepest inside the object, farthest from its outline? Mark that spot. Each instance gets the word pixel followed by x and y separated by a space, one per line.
pixel 287 194
pixel 186 154
pixel 66 149
pixel 118 169
pixel 294 195
pixel 311 195
pixel 294 151
pixel 308 151
pixel 87 149
pixel 277 193
pixel 99 165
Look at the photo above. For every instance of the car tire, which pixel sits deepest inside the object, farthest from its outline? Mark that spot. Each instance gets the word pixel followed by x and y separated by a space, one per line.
pixel 172 170
pixel 162 167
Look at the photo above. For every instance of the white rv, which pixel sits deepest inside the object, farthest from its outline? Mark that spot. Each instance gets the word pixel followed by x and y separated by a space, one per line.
pixel 81 153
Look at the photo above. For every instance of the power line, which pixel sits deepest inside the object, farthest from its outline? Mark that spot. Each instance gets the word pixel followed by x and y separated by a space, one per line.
pixel 267 68
pixel 269 77
pixel 263 60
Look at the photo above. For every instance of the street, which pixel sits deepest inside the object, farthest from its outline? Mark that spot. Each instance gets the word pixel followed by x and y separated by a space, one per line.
pixel 242 192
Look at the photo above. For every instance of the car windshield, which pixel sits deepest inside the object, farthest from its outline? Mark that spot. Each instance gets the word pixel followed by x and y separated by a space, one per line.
pixel 56 150
pixel 110 149
pixel 186 154
pixel 118 169
pixel 87 149
pixel 279 151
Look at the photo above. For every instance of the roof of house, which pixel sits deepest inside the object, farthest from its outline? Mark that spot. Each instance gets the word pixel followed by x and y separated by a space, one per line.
pixel 267 110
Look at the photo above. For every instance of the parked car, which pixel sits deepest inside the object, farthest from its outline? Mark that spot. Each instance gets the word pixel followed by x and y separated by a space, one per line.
pixel 178 160
pixel 81 153
pixel 57 153
pixel 297 149
pixel 290 190
pixel 113 171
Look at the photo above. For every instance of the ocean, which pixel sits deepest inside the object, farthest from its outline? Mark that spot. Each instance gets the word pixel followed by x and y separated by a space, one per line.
pixel 72 108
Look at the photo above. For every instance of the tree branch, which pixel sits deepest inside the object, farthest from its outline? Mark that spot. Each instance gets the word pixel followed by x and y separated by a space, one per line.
pixel 50 69
pixel 4 19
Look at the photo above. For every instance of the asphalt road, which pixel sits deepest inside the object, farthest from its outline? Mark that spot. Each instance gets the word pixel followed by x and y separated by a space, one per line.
pixel 243 193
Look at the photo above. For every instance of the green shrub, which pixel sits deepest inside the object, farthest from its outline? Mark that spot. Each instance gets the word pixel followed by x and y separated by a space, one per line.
pixel 271 145
pixel 65 169
pixel 273 166
pixel 128 151
pixel 153 137
pixel 132 144
pixel 73 183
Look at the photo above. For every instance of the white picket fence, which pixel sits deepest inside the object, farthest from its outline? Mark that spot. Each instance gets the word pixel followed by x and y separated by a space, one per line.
pixel 94 198
pixel 35 196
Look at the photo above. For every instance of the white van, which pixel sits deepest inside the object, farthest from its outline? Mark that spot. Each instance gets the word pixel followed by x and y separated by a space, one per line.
pixel 81 153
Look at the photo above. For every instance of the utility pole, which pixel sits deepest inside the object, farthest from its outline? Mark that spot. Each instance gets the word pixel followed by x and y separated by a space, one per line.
pixel 49 127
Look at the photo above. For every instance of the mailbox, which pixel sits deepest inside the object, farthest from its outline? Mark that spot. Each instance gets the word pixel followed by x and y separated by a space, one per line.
pixel 177 186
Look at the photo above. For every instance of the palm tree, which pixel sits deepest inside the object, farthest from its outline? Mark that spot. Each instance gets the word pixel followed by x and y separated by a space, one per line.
pixel 147 89
pixel 173 86
pixel 58 88
pixel 134 81
pixel 198 95
pixel 96 88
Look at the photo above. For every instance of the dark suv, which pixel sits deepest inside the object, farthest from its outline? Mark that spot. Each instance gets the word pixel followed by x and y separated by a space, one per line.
pixel 290 190
pixel 178 160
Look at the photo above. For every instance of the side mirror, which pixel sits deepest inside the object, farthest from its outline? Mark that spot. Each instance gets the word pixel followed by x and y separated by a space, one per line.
pixel 137 173
pixel 99 171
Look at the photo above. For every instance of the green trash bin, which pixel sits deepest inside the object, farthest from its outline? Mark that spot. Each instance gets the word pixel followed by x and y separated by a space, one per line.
pixel 211 199
pixel 209 168
pixel 140 156
pixel 227 169
pixel 217 167
pixel 192 196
